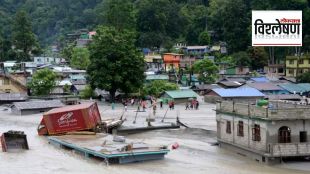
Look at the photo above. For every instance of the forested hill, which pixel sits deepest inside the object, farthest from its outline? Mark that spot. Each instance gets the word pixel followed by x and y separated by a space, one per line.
pixel 50 18
pixel 158 22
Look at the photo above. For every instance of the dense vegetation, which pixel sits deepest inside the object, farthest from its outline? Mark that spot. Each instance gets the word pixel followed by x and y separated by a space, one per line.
pixel 158 23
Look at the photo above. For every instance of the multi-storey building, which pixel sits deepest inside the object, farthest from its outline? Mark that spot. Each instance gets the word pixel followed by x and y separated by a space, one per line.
pixel 265 134
pixel 294 64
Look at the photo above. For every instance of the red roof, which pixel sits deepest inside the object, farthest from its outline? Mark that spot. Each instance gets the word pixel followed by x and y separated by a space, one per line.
pixel 70 108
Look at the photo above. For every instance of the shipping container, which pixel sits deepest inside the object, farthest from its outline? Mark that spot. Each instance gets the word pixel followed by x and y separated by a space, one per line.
pixel 79 117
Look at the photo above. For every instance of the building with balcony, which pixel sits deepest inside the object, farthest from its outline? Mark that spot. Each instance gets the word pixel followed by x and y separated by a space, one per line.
pixel 294 64
pixel 265 134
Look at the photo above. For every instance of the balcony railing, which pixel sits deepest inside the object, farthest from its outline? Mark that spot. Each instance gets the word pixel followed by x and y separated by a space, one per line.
pixel 277 111
pixel 289 149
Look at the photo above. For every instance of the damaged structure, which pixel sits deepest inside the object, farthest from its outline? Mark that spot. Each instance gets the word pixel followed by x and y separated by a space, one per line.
pixel 265 134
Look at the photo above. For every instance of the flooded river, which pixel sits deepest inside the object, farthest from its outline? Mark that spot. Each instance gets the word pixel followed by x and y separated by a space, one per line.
pixel 195 155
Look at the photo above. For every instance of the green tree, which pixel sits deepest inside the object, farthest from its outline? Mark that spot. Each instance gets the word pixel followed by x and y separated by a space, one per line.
pixel 80 58
pixel 119 14
pixel 115 62
pixel 259 57
pixel 204 38
pixel 157 87
pixel 242 58
pixel 87 93
pixel 231 21
pixel 24 39
pixel 206 70
pixel 304 78
pixel 43 82
pixel 67 52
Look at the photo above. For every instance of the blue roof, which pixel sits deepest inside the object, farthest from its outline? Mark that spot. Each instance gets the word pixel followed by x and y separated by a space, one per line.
pixel 238 92
pixel 260 79
pixel 298 88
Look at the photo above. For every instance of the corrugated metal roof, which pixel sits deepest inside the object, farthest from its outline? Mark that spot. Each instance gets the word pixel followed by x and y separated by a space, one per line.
pixel 259 79
pixel 77 77
pixel 298 88
pixel 230 83
pixel 236 79
pixel 38 104
pixel 284 97
pixel 188 93
pixel 157 77
pixel 238 92
pixel 265 86
pixel 13 97
pixel 207 86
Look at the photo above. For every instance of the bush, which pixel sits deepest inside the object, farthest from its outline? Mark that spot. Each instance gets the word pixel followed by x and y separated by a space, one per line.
pixel 87 93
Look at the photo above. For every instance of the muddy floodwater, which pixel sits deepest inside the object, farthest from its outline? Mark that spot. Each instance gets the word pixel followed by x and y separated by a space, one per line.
pixel 195 155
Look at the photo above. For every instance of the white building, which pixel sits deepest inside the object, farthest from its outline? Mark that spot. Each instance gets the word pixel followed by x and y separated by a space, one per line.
pixel 48 60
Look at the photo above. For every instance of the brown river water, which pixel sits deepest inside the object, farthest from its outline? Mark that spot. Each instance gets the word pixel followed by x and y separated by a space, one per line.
pixel 195 155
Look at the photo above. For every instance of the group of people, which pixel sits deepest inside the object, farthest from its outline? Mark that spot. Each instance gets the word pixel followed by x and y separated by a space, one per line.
pixel 193 104
pixel 171 105
pixel 142 104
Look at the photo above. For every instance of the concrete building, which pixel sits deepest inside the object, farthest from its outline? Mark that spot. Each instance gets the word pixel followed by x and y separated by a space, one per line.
pixel 275 70
pixel 48 60
pixel 154 62
pixel 172 61
pixel 294 64
pixel 196 51
pixel 266 135
pixel 13 83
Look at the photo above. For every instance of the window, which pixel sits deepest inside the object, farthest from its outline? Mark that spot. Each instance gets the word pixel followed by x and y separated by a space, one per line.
pixel 290 71
pixel 303 136
pixel 301 61
pixel 7 90
pixel 240 129
pixel 291 62
pixel 256 133
pixel 6 81
pixel 284 134
pixel 300 71
pixel 228 127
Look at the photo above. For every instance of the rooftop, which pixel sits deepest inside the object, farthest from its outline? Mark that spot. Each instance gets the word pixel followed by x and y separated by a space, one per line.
pixel 296 88
pixel 38 104
pixel 259 79
pixel 238 92
pixel 265 86
pixel 157 77
pixel 230 84
pixel 206 86
pixel 188 93
pixel 13 97
pixel 196 47
pixel 277 110
pixel 284 97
